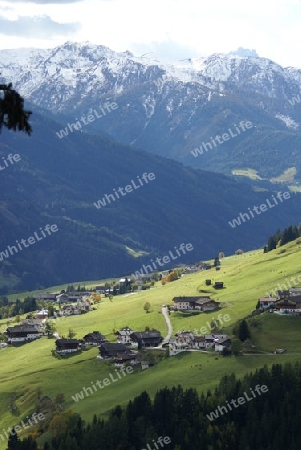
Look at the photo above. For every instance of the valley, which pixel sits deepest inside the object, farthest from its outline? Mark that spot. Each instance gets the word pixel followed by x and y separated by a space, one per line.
pixel 141 319
pixel 68 177
pixel 32 368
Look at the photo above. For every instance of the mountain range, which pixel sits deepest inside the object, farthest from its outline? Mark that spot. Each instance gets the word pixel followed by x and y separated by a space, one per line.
pixel 171 109
pixel 162 113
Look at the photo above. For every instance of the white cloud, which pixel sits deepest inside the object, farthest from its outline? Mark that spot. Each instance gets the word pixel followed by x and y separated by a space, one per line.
pixel 173 27
pixel 36 27
pixel 44 2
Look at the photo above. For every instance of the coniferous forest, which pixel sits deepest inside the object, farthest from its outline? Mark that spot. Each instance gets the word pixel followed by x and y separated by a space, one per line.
pixel 270 421
pixel 280 238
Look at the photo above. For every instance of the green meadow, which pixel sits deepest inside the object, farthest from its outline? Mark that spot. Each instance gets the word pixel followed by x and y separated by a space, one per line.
pixel 26 369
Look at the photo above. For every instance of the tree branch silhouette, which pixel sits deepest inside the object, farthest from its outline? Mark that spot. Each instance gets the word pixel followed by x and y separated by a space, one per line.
pixel 12 113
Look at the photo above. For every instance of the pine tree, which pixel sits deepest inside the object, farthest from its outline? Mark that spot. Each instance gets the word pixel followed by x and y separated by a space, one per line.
pixel 243 331
pixel 272 243
pixel 13 441
pixel 217 262
pixel 12 113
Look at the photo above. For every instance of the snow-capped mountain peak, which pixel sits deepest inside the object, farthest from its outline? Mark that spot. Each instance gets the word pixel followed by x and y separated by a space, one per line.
pixel 168 108
pixel 71 74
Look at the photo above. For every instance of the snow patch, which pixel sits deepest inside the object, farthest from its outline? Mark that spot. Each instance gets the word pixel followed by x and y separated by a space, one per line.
pixel 289 122
pixel 149 106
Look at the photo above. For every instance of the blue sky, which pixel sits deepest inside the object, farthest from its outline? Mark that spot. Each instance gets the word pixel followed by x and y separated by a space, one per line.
pixel 172 29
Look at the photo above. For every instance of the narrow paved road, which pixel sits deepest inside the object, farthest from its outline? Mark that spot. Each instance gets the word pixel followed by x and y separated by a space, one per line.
pixel 168 323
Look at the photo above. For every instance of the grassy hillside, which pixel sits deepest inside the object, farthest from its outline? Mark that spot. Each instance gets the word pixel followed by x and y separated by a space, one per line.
pixel 25 369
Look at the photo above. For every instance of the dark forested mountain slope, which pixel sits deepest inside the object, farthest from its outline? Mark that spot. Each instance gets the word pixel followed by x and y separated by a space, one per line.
pixel 56 181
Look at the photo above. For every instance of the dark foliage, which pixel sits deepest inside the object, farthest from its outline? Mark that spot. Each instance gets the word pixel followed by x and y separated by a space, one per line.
pixel 12 113
pixel 287 235
pixel 217 262
pixel 269 421
pixel 243 331
pixel 17 308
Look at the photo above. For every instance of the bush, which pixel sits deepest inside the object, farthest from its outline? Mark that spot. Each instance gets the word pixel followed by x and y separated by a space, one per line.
pixel 239 252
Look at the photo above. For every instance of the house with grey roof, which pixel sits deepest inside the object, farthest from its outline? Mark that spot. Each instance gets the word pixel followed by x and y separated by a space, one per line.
pixel 199 303
pixel 23 333
pixel 146 338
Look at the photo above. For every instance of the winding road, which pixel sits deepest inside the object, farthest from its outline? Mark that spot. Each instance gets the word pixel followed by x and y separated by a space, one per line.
pixel 168 323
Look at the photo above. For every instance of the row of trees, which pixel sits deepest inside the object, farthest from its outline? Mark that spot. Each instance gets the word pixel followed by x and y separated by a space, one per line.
pixel 16 308
pixel 71 288
pixel 282 237
pixel 270 421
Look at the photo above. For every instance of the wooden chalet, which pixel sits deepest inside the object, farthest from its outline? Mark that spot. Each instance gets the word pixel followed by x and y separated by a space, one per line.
pixel 67 345
pixel 95 339
pixel 267 302
pixel 100 289
pixel 123 336
pixel 283 294
pixel 195 303
pixel 122 359
pixel 23 333
pixel 286 306
pixel 38 323
pixel 222 344
pixel 110 350
pixel 45 296
pixel 147 338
